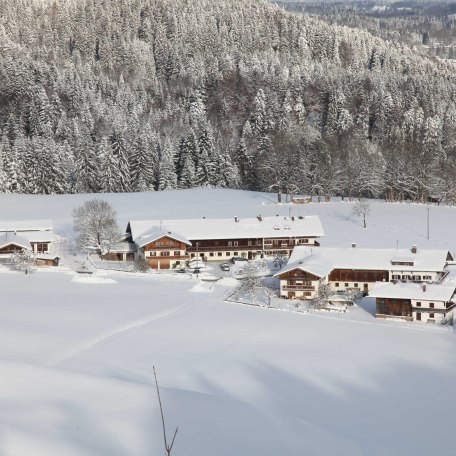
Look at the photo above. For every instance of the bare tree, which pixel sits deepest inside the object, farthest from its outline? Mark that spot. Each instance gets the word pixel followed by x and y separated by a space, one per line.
pixel 362 209
pixel 321 297
pixel 96 226
pixel 24 260
pixel 168 446
pixel 252 285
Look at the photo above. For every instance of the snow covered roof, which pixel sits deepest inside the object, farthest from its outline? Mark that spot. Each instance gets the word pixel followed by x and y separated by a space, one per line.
pixel 322 260
pixel 11 238
pixel 46 256
pixel 25 225
pixel 123 247
pixel 157 233
pixel 38 236
pixel 415 291
pixel 258 227
pixel 315 264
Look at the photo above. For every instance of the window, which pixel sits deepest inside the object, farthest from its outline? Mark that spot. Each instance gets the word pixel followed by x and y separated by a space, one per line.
pixel 431 315
pixel 165 253
pixel 396 277
pixel 177 253
pixel 356 285
pixel 152 253
pixel 249 242
pixel 431 305
pixel 211 254
pixel 236 254
pixel 41 248
pixel 228 253
pixel 219 253
pixel 336 284
pixel 346 284
pixel 427 277
pixel 192 255
pixel 418 304
pixel 230 243
pixel 236 243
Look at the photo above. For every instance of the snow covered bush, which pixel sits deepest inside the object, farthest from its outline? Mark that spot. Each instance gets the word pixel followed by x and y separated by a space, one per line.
pixel 23 260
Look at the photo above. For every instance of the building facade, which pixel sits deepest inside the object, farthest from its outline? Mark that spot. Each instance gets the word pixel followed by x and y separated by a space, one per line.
pixel 223 239
pixel 426 303
pixel 358 269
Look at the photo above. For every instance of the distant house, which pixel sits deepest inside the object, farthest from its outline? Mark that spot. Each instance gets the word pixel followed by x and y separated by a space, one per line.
pixel 34 235
pixel 357 269
pixel 221 239
pixel 122 251
pixel 429 303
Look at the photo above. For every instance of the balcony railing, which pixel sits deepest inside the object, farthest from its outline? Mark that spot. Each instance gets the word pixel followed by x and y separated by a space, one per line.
pixel 228 248
pixel 298 287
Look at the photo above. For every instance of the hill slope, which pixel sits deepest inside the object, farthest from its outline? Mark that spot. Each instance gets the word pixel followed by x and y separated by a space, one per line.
pixel 108 95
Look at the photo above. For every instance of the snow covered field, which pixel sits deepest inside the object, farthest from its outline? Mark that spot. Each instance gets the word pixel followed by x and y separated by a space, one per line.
pixel 76 354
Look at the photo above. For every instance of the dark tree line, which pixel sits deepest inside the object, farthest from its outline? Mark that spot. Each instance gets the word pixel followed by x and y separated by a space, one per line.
pixel 135 95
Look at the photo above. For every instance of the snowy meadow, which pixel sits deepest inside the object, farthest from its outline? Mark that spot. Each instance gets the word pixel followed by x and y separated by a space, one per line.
pixel 76 354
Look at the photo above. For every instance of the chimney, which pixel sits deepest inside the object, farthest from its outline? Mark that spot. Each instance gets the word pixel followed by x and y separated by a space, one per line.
pixel 353 245
pixel 424 288
pixel 236 219
pixel 260 219
pixel 414 249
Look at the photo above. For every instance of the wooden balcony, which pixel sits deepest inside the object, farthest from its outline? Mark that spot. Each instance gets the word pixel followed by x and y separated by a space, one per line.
pixel 226 248
pixel 298 288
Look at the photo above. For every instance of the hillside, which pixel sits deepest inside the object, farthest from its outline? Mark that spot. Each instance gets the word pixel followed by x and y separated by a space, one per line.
pixel 115 96
pixel 78 352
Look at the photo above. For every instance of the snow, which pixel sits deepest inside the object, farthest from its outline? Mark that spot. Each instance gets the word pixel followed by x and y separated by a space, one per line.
pixel 76 359
pixel 321 260
pixel 89 278
pixel 157 233
pixel 26 225
pixel 218 228
pixel 431 292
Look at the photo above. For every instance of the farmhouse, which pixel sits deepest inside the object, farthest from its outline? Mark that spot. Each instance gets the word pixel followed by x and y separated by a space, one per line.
pixel 430 303
pixel 357 269
pixel 35 235
pixel 166 243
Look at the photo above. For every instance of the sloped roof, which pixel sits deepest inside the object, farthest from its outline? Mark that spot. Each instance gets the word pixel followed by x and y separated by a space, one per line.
pixel 157 233
pixel 38 236
pixel 415 291
pixel 122 247
pixel 25 225
pixel 317 265
pixel 370 259
pixel 11 238
pixel 258 227
pixel 46 256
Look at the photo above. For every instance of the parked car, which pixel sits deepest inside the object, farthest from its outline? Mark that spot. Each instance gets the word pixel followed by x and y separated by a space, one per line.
pixel 180 271
pixel 196 271
pixel 238 258
pixel 225 267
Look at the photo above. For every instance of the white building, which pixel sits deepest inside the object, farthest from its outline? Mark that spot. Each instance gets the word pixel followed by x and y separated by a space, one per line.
pixel 222 239
pixel 428 303
pixel 357 268
pixel 34 235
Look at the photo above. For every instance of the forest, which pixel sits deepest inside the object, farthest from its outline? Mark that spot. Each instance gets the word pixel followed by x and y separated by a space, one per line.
pixel 143 95
pixel 429 27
